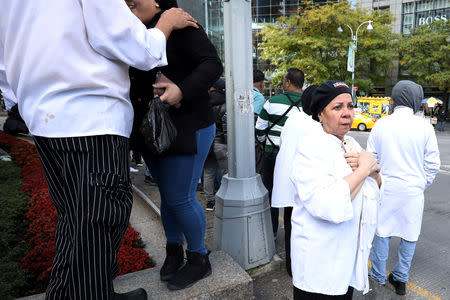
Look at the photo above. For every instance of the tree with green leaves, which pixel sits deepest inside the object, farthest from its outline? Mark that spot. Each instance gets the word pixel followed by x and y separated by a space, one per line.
pixel 310 41
pixel 424 54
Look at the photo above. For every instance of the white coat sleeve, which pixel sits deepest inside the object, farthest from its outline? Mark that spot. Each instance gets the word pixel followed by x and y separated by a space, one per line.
pixel 7 93
pixel 323 194
pixel 371 143
pixel 117 34
pixel 431 160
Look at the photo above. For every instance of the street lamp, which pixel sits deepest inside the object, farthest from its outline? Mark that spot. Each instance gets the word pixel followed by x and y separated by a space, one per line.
pixel 354 48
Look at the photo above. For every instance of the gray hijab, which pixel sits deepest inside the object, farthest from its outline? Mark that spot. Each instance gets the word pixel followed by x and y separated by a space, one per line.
pixel 407 93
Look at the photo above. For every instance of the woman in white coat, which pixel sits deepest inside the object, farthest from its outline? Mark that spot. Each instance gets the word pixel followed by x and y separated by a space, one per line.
pixel 407 150
pixel 334 217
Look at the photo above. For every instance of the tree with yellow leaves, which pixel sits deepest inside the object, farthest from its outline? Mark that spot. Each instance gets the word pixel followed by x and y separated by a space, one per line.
pixel 310 41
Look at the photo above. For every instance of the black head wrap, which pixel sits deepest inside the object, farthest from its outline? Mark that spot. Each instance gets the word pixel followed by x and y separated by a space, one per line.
pixel 407 93
pixel 325 93
pixel 166 4
pixel 307 98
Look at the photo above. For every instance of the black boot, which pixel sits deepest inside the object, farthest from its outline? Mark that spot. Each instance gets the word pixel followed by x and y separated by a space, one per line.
pixel 197 267
pixel 174 260
pixel 400 287
pixel 139 294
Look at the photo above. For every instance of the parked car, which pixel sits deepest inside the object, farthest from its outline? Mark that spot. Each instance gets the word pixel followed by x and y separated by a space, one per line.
pixel 362 122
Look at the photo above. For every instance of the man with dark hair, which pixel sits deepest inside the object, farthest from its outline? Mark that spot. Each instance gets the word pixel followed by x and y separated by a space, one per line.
pixel 295 77
pixel 270 122
pixel 258 88
pixel 258 102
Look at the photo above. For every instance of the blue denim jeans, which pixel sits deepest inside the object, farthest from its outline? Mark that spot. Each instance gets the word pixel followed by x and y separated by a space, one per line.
pixel 441 125
pixel 379 256
pixel 177 177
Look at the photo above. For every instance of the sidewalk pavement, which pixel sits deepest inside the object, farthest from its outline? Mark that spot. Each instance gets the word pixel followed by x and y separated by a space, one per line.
pixel 267 282
pixel 270 281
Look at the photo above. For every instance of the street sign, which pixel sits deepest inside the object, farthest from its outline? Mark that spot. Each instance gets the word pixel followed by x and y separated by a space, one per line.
pixel 355 88
pixel 351 57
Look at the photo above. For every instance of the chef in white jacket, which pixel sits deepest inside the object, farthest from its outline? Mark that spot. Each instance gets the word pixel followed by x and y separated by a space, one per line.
pixel 298 125
pixel 66 64
pixel 334 216
pixel 406 148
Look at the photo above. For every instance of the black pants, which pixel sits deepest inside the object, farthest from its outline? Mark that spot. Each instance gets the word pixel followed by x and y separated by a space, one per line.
pixel 268 166
pixel 302 295
pixel 88 179
pixel 287 237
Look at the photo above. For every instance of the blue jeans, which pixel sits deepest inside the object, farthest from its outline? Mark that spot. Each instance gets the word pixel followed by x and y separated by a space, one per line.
pixel 441 125
pixel 379 256
pixel 177 177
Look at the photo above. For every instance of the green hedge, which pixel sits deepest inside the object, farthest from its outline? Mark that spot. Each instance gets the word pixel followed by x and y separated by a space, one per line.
pixel 13 228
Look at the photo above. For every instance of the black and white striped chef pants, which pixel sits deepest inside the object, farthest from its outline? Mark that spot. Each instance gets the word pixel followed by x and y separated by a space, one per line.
pixel 89 184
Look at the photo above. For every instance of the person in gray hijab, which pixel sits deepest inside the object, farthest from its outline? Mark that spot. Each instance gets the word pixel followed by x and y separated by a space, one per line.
pixel 407 151
pixel 407 93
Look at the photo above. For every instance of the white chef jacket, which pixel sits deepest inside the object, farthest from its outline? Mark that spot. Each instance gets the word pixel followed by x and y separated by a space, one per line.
pixel 296 127
pixel 407 151
pixel 67 61
pixel 331 234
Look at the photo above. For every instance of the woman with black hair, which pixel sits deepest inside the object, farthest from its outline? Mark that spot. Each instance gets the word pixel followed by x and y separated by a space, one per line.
pixel 193 67
pixel 336 193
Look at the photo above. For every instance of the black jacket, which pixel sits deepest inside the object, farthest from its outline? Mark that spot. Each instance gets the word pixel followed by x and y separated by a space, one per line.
pixel 218 103
pixel 194 66
pixel 442 115
pixel 14 124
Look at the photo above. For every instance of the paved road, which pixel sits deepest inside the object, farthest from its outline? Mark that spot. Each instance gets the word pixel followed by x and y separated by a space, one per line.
pixel 430 270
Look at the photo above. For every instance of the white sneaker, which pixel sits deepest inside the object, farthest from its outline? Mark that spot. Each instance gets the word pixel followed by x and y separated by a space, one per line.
pixel 133 170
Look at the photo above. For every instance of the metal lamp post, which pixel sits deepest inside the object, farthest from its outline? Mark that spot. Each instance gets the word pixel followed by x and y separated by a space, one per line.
pixel 242 222
pixel 355 46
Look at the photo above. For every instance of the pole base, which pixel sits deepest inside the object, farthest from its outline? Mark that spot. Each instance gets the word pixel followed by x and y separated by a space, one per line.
pixel 242 221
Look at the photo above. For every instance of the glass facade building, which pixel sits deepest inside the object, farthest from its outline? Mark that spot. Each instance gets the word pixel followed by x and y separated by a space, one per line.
pixel 263 12
pixel 423 12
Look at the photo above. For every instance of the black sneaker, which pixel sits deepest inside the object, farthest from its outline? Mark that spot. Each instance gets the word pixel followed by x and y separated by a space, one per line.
pixel 174 260
pixel 139 294
pixel 197 267
pixel 210 205
pixel 400 287
pixel 149 180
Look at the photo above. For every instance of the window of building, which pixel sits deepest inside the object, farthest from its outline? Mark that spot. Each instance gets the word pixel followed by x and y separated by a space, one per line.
pixel 424 12
pixel 424 5
pixel 408 23
pixel 409 7
pixel 442 4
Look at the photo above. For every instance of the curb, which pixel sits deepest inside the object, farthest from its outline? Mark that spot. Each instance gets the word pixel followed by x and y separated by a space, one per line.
pixel 147 200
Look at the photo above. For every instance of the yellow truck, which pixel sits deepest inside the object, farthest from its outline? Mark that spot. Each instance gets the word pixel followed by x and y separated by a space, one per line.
pixel 375 107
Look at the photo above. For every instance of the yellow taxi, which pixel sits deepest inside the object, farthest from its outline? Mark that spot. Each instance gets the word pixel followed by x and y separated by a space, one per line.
pixel 362 122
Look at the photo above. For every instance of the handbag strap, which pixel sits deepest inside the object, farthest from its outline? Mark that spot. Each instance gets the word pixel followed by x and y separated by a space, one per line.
pixel 281 118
